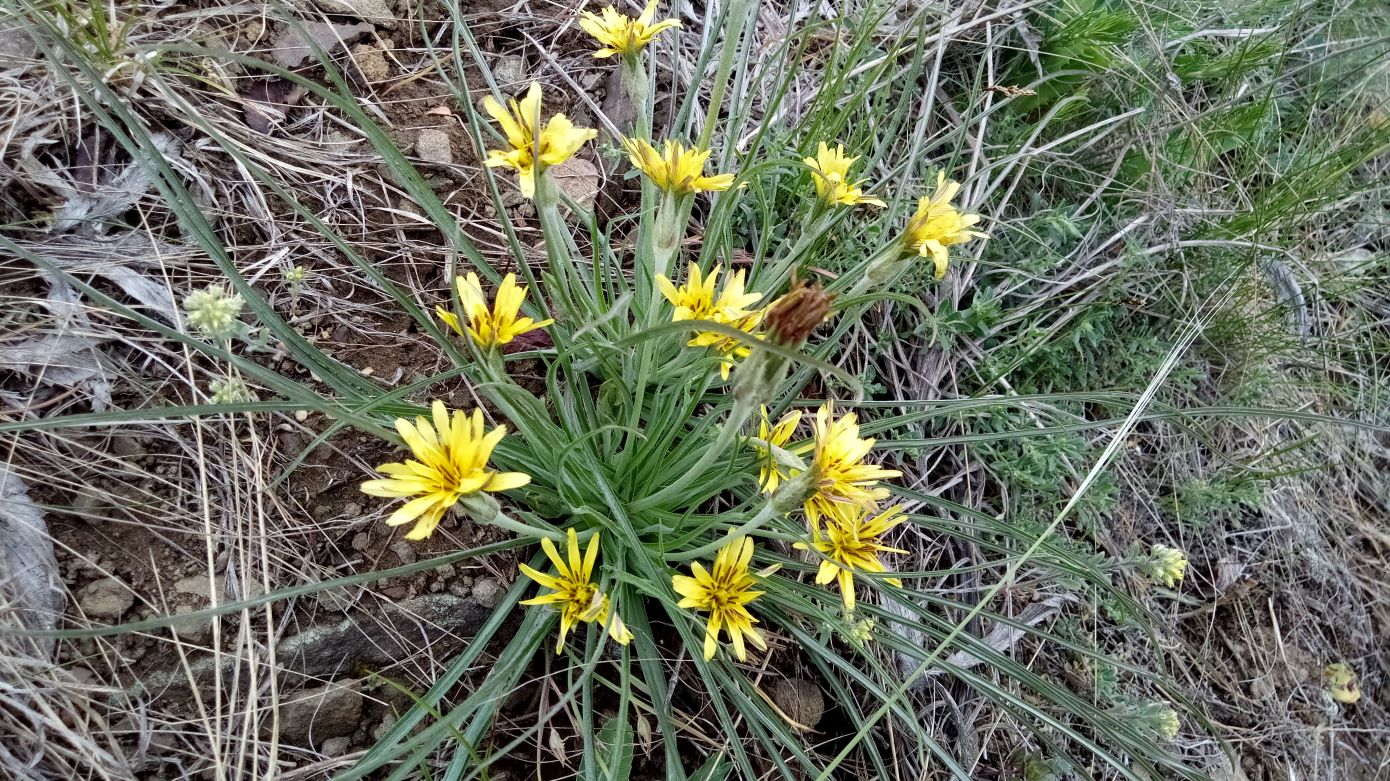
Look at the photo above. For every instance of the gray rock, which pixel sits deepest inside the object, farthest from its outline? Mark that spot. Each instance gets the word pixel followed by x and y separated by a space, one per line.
pixel 106 598
pixel 192 630
pixel 488 592
pixel 315 715
pixel 361 541
pixel 384 727
pixel 335 747
pixel 371 62
pixel 370 10
pixel 508 71
pixel 801 700
pixel 291 49
pixel 404 551
pixel 440 622
pixel 432 146
pixel 195 585
pixel 436 621
pixel 579 179
pixel 127 447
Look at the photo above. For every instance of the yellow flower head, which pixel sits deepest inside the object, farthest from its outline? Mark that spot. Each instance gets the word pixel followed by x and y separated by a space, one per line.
pixel 851 544
pixel 1167 564
pixel 937 225
pixel 1341 683
pixel 621 34
pixel 1166 725
pixel 771 471
pixel 494 327
pixel 675 169
pixel 724 594
pixel 572 590
pixel 533 149
pixel 842 477
pixel 450 463
pixel 697 298
pixel 730 348
pixel 830 172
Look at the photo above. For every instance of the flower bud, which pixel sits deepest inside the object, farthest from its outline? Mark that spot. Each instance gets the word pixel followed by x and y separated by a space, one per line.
pixel 1167 564
pixel 789 320
pixel 230 391
pixel 793 492
pixel 215 312
pixel 795 315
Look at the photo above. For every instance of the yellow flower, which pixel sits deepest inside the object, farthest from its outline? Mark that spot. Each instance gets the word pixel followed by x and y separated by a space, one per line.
pixel 452 463
pixel 830 172
pixel 1167 564
pixel 697 300
pixel 730 348
pixel 573 592
pixel 622 34
pixel 771 470
pixel 937 225
pixel 842 477
pixel 724 594
pixel 1341 683
pixel 531 152
pixel 498 326
pixel 675 169
pixel 851 544
pixel 1166 725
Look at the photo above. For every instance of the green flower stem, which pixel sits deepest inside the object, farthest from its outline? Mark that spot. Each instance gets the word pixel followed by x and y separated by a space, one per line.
pixel 664 242
pixel 820 224
pixel 638 87
pixel 484 509
pixel 881 268
pixel 739 13
pixel 667 231
pixel 737 416
pixel 555 234
pixel 764 515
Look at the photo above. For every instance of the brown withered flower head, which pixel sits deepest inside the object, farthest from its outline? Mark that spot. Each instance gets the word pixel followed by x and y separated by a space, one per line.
pixel 795 315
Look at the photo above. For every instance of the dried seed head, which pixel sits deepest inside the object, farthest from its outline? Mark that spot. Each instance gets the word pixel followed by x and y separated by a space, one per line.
pixel 795 315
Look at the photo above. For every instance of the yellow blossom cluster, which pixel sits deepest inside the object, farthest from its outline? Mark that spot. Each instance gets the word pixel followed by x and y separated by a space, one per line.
pixel 836 485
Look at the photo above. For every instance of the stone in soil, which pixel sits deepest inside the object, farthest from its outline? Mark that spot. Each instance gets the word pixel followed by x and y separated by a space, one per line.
pixel 361 541
pixel 106 598
pixel 371 62
pixel 488 592
pixel 404 551
pixel 336 747
pixel 381 639
pixel 432 146
pixel 291 49
pixel 509 71
pixel 801 700
pixel 16 45
pixel 370 10
pixel 579 179
pixel 315 715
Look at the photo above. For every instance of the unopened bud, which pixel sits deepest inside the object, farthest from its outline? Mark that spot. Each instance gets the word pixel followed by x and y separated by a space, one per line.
pixel 795 315
pixel 480 507
pixel 215 312
pixel 792 494
pixel 789 320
